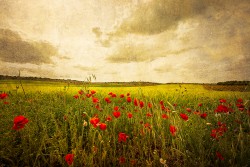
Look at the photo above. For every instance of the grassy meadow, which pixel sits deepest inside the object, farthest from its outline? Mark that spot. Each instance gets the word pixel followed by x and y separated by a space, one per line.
pixel 165 125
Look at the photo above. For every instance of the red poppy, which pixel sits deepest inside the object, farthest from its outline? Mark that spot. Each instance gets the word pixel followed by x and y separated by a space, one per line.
pixel 204 115
pixel 76 96
pixel 239 100
pixel 122 96
pixel 92 92
pixel 94 121
pixel 175 105
pixel 241 107
pixel 19 122
pixel 162 107
pixel 150 105
pixel 122 137
pixel 188 109
pixel 130 115
pixel 200 104
pixel 109 118
pixel 161 102
pixel 147 125
pixel 69 158
pixel 80 92
pixel 103 126
pixel 223 101
pixel 218 154
pixel 122 160
pixel 164 116
pixel 135 102
pixel 6 102
pixel 116 108
pixel 116 114
pixel 107 100
pixel 149 114
pixel 172 129
pixel 221 108
pixel 95 100
pixel 113 95
pixel 128 94
pixel 184 116
pixel 141 104
pixel 88 95
pixel 129 99
pixel 3 95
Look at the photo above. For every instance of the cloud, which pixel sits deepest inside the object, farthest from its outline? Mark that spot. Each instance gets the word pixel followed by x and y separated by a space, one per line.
pixel 16 50
pixel 86 68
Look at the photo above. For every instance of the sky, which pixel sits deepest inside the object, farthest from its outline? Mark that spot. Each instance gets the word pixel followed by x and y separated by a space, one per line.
pixel 190 41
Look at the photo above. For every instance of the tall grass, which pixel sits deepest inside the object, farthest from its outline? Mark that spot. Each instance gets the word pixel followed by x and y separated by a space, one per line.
pixel 59 124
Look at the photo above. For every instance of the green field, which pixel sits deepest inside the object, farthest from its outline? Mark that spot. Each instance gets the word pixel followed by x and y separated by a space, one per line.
pixel 60 124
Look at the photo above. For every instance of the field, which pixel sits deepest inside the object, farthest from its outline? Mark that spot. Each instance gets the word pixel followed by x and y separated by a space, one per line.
pixel 62 124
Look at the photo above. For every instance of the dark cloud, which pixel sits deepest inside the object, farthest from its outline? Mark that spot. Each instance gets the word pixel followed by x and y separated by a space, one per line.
pixel 16 50
pixel 160 15
pixel 85 68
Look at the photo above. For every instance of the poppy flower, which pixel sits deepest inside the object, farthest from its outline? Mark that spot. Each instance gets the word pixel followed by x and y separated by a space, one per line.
pixel 147 125
pixel 161 103
pixel 162 108
pixel 69 158
pixel 95 100
pixel 103 126
pixel 175 105
pixel 122 96
pixel 239 100
pixel 149 114
pixel 129 99
pixel 122 160
pixel 184 116
pixel 116 114
pixel 109 118
pixel 122 137
pixel 94 121
pixel 204 115
pixel 88 95
pixel 107 100
pixel 241 107
pixel 172 130
pixel 6 102
pixel 128 94
pixel 164 116
pixel 19 122
pixel 150 105
pixel 223 101
pixel 3 95
pixel 92 92
pixel 116 108
pixel 135 102
pixel 76 96
pixel 113 95
pixel 221 109
pixel 130 115
pixel 80 92
pixel 141 104
pixel 188 109
pixel 218 154
pixel 200 104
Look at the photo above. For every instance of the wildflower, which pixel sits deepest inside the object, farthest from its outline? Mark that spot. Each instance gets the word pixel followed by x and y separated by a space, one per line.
pixel 172 129
pixel 76 96
pixel 149 114
pixel 128 94
pixel 184 116
pixel 6 102
pixel 69 158
pixel 241 107
pixel 107 100
pixel 122 137
pixel 116 108
pixel 94 121
pixel 147 125
pixel 110 93
pixel 141 104
pixel 122 160
pixel 85 123
pixel 113 95
pixel 239 100
pixel 161 103
pixel 88 95
pixel 3 95
pixel 221 108
pixel 188 109
pixel 19 122
pixel 95 100
pixel 80 92
pixel 130 115
pixel 116 114
pixel 164 116
pixel 129 99
pixel 150 105
pixel 223 101
pixel 92 92
pixel 109 118
pixel 135 102
pixel 175 105
pixel 204 115
pixel 200 104
pixel 218 154
pixel 122 96
pixel 103 126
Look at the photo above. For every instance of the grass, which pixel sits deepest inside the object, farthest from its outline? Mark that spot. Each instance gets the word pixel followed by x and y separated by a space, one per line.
pixel 59 124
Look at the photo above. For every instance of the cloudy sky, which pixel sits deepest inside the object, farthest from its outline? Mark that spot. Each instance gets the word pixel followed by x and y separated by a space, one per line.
pixel 126 40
